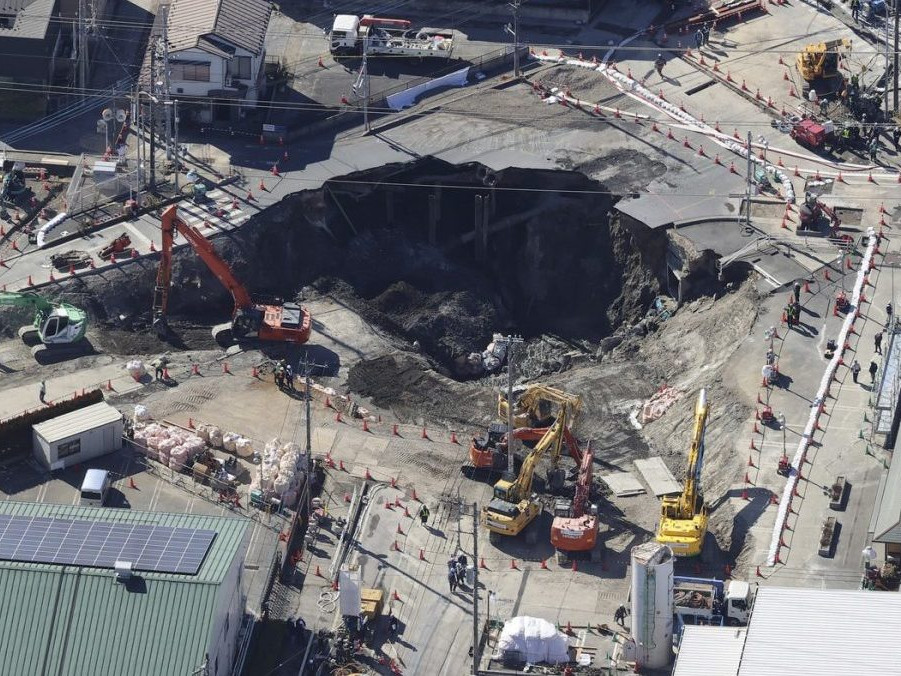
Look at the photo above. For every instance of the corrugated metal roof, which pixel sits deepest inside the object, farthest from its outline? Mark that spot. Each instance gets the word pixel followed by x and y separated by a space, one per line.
pixel 243 23
pixel 709 651
pixel 819 631
pixel 79 622
pixel 76 422
pixel 887 518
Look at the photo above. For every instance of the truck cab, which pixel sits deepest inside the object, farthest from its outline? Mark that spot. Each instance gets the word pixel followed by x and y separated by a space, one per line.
pixel 345 34
pixel 738 602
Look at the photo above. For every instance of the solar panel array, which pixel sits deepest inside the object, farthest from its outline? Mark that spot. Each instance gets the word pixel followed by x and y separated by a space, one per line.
pixel 99 544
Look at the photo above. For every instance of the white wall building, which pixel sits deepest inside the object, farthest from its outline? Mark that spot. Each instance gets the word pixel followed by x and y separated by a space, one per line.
pixel 78 436
pixel 217 50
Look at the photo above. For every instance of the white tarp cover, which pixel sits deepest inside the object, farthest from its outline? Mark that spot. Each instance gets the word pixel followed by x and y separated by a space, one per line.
pixel 535 639
pixel 408 97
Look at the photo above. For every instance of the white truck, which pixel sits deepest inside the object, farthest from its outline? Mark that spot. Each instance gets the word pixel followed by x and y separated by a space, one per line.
pixel 709 601
pixel 387 37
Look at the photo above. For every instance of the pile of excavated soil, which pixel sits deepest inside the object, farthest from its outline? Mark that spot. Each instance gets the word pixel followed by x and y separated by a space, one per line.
pixel 413 392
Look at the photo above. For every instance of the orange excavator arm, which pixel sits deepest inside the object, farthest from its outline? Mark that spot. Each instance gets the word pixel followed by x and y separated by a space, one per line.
pixel 204 248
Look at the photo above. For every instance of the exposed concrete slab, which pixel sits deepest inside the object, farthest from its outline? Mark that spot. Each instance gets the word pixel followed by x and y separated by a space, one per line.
pixel 623 484
pixel 658 476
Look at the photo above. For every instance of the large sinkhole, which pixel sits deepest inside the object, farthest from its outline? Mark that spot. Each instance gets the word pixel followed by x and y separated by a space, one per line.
pixel 444 255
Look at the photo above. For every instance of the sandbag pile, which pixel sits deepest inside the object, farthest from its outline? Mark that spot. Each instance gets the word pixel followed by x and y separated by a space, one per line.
pixel 283 469
pixel 172 447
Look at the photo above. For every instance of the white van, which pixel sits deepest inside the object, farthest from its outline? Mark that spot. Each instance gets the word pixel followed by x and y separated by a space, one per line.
pixel 95 487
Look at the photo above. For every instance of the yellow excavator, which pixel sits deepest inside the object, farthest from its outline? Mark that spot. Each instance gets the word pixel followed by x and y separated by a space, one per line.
pixel 513 506
pixel 683 518
pixel 535 404
pixel 818 65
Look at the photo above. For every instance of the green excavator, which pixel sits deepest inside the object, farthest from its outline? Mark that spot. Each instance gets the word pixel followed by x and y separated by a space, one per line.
pixel 60 327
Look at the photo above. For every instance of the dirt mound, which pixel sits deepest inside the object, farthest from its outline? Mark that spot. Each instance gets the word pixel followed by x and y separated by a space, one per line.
pixel 406 385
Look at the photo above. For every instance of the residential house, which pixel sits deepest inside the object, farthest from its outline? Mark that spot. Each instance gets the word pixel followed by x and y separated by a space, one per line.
pixel 217 52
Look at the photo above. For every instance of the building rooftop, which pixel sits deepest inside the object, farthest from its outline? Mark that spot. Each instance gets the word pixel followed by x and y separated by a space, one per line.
pixel 709 650
pixel 26 19
pixel 205 23
pixel 801 631
pixel 886 522
pixel 79 621
pixel 76 422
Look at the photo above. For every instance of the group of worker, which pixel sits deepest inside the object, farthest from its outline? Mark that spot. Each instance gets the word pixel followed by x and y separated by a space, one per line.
pixel 702 35
pixel 456 571
pixel 284 375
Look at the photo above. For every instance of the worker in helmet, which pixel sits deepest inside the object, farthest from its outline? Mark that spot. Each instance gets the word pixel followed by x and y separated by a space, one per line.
pixel 659 64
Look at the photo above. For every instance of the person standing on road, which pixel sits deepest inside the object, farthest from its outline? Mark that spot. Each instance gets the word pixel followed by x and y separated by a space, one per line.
pixel 855 370
pixel 797 290
pixel 452 579
pixel 424 515
pixel 877 341
pixel 874 149
pixel 659 64
pixel 873 368
pixel 43 392
pixel 896 138
pixel 699 38
pixel 888 314
pixel 707 28
pixel 855 10
pixel 289 376
pixel 620 615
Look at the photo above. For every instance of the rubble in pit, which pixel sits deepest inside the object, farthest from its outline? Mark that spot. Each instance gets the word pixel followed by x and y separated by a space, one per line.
pixel 557 263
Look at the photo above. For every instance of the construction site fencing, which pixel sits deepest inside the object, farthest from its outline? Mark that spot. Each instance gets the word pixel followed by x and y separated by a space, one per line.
pixel 88 190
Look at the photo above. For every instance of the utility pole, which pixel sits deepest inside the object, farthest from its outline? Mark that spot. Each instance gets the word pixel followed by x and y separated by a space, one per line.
pixel 364 74
pixel 748 183
pixel 80 38
pixel 152 122
pixel 165 83
pixel 476 652
pixel 514 31
pixel 511 342
pixel 895 60
pixel 308 397
pixel 175 143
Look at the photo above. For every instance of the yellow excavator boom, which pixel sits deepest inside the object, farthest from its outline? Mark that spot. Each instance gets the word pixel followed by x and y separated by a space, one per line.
pixel 513 508
pixel 684 518
pixel 532 405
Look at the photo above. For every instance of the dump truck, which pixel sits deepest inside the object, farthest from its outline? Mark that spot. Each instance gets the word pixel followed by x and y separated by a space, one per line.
pixel 710 601
pixel 377 36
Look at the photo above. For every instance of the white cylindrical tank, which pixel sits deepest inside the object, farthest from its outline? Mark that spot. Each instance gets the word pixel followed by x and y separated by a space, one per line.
pixel 652 604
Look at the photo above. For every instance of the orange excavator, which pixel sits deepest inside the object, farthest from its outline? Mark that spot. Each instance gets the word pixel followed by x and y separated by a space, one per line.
pixel 284 322
pixel 490 452
pixel 574 531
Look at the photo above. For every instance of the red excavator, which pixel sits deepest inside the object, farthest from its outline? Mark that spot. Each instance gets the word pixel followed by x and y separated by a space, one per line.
pixel 491 452
pixel 574 531
pixel 284 322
